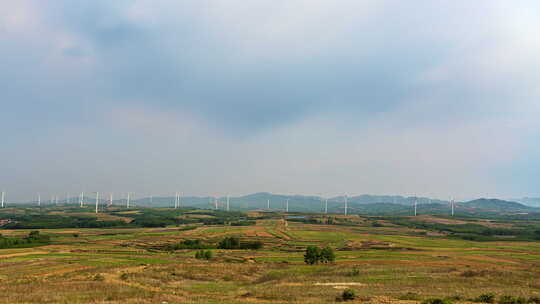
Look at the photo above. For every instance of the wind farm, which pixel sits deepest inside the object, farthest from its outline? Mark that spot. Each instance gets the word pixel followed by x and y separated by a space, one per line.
pixel 269 152
pixel 138 249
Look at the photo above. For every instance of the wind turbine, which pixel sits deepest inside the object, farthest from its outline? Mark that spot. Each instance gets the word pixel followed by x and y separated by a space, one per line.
pixel 228 202
pixel 216 203
pixel 326 206
pixel 3 198
pixel 39 200
pixel 268 204
pixel 415 205
pixel 110 199
pixel 452 205
pixel 346 201
pixel 81 199
pixel 287 206
pixel 97 201
pixel 127 200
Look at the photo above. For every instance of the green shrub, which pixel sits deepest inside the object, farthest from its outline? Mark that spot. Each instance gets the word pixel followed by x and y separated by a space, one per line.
pixel 315 255
pixel 235 243
pixel 99 277
pixel 327 255
pixel 506 299
pixel 409 296
pixel 348 295
pixel 486 298
pixel 354 272
pixel 203 255
pixel 437 301
pixel 312 255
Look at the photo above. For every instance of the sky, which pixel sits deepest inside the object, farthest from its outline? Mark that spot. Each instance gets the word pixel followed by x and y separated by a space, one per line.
pixel 315 97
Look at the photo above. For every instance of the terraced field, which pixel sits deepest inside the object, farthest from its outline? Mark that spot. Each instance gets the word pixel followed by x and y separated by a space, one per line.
pixel 382 264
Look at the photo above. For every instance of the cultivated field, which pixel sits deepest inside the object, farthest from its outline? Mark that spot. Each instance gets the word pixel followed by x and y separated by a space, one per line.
pixel 383 263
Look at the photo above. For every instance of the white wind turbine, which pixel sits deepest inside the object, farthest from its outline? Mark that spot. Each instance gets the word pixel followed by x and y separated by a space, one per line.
pixel 97 202
pixel 346 202
pixel 326 206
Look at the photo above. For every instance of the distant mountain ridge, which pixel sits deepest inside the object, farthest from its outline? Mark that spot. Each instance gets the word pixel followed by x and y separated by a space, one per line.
pixel 529 201
pixel 497 205
pixel 360 204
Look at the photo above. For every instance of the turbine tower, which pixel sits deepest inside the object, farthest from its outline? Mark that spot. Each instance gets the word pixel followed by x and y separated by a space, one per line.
pixel 3 198
pixel 81 199
pixel 228 203
pixel 215 203
pixel 110 199
pixel 415 205
pixel 268 204
pixel 39 200
pixel 127 200
pixel 287 206
pixel 326 206
pixel 346 201
pixel 452 205
pixel 97 201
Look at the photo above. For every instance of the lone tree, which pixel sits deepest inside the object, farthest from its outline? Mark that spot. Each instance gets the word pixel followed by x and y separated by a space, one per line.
pixel 327 255
pixel 313 255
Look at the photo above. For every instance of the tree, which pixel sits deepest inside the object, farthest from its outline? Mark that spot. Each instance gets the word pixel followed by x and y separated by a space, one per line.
pixel 312 255
pixel 327 255
pixel 348 295
pixel 203 255
pixel 229 243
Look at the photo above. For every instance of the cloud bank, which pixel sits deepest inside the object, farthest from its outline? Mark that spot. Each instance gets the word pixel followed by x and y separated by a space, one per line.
pixel 315 97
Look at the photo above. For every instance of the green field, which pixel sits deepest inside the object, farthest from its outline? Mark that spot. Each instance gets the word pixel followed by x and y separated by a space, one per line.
pixel 384 264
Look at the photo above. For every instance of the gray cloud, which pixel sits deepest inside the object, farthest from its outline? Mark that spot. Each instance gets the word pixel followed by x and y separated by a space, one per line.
pixel 290 96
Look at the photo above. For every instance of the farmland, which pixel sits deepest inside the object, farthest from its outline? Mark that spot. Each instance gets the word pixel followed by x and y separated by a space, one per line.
pixel 381 259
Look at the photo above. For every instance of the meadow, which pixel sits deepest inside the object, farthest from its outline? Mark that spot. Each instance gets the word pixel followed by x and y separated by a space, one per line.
pixel 383 263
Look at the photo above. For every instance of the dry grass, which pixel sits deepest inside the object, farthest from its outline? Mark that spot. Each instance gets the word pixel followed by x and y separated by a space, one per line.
pixel 115 266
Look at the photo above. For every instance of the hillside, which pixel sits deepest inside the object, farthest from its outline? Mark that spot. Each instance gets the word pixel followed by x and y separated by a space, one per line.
pixel 496 205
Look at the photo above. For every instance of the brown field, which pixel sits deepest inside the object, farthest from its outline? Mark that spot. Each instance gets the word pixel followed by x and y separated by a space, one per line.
pixel 381 264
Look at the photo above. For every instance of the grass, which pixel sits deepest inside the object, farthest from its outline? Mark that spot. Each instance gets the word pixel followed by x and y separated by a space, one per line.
pixel 390 264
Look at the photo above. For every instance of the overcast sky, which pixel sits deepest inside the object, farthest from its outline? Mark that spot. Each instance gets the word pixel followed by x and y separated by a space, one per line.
pixel 323 97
